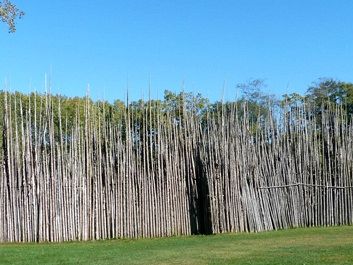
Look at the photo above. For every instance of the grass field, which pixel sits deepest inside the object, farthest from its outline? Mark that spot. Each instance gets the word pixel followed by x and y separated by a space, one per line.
pixel 332 245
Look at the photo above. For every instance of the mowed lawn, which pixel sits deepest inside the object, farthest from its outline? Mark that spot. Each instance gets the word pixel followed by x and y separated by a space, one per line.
pixel 332 245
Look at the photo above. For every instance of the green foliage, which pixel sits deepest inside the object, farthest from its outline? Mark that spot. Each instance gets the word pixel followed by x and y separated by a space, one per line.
pixel 178 104
pixel 254 106
pixel 9 13
pixel 330 91
pixel 258 103
pixel 293 99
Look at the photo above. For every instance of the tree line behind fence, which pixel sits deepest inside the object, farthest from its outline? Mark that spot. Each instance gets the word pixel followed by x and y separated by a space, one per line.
pixel 150 170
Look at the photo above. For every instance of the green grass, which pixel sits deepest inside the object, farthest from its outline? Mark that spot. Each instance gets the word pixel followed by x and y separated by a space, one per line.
pixel 332 245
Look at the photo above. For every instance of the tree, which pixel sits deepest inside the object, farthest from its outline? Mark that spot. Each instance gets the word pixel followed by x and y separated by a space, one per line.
pixel 9 13
pixel 258 102
pixel 331 91
pixel 177 104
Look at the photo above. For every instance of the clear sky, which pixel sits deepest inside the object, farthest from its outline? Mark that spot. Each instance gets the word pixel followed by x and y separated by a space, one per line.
pixel 177 44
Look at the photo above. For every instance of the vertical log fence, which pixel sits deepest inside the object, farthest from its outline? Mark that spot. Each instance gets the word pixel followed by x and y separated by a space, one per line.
pixel 153 173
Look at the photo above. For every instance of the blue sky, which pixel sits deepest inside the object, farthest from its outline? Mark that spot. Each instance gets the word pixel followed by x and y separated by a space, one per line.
pixel 183 44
